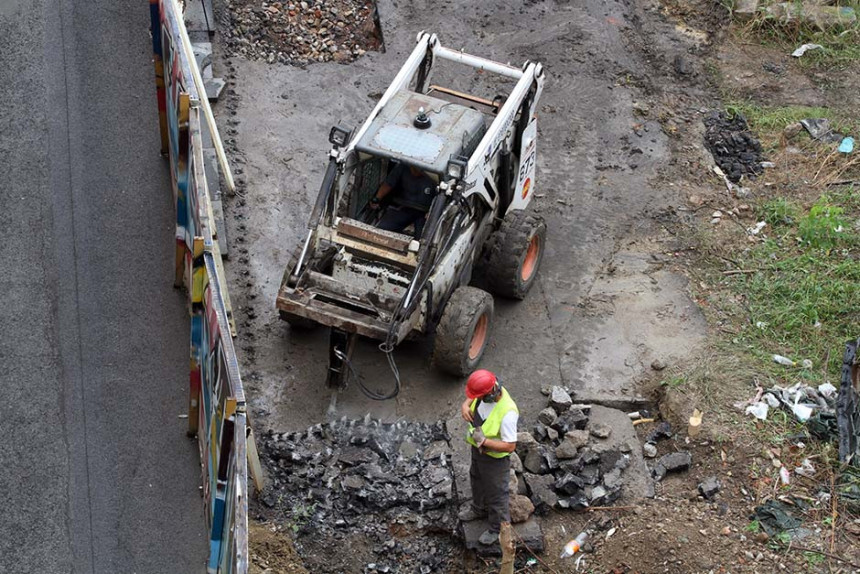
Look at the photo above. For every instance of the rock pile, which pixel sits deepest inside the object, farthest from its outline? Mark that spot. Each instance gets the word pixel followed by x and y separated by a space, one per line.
pixel 558 465
pixel 357 482
pixel 736 151
pixel 301 32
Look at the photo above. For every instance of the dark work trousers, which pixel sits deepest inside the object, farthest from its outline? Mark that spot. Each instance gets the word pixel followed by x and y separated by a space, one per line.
pixel 398 217
pixel 490 478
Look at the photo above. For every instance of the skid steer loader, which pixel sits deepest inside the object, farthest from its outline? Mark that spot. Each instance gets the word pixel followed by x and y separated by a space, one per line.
pixel 479 154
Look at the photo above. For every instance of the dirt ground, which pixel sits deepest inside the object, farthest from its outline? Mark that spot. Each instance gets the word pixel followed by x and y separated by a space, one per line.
pixel 620 155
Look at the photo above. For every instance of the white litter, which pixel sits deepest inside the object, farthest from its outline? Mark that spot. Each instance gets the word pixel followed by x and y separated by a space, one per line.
pixel 827 390
pixel 758 227
pixel 807 364
pixel 805 469
pixel 802 412
pixel 610 532
pixel 783 361
pixel 758 410
pixel 784 475
pixel 772 401
pixel 805 48
pixel 760 324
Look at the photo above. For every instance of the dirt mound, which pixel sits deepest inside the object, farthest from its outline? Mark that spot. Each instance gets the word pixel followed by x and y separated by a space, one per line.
pixel 302 32
pixel 272 552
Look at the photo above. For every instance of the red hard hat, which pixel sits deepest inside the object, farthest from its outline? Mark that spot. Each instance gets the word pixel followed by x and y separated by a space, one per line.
pixel 480 383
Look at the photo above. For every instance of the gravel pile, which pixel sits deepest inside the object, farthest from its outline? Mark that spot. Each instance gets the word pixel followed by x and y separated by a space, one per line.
pixel 386 486
pixel 565 463
pixel 302 32
pixel 736 151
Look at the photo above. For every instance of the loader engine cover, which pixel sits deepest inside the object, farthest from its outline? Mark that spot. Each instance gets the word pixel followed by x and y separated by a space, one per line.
pixel 454 130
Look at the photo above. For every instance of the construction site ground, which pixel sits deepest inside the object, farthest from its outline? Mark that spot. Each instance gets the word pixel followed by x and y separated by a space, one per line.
pixel 621 312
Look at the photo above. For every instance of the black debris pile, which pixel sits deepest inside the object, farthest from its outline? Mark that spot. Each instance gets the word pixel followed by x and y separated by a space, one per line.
pixel 736 151
pixel 564 462
pixel 386 487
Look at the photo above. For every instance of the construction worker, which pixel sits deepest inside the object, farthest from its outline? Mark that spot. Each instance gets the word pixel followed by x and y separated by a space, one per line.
pixel 412 193
pixel 492 416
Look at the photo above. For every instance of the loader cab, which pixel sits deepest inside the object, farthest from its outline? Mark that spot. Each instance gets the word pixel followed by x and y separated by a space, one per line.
pixel 413 130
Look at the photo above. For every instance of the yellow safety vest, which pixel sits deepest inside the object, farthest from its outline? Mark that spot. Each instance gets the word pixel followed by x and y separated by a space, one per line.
pixel 492 427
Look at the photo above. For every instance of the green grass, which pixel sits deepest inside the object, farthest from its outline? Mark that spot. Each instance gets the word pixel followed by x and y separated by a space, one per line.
pixel 803 287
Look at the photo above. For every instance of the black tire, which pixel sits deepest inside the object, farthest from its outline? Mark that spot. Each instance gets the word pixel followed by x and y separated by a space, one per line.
pixel 454 352
pixel 509 249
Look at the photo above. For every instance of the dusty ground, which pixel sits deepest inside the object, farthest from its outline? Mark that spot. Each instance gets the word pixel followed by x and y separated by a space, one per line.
pixel 620 155
pixel 598 158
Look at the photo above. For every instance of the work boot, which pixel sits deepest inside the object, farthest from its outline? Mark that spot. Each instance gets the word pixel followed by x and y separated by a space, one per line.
pixel 471 513
pixel 488 538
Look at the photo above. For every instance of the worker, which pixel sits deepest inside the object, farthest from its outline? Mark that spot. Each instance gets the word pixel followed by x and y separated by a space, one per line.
pixel 492 416
pixel 413 192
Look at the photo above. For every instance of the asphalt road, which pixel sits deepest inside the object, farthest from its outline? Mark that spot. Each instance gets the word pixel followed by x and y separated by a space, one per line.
pixel 96 473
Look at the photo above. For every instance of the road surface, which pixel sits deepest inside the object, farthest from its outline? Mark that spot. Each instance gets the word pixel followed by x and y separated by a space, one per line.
pixel 97 474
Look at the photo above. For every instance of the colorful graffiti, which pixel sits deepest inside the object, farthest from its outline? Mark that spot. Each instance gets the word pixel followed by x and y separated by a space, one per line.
pixel 216 408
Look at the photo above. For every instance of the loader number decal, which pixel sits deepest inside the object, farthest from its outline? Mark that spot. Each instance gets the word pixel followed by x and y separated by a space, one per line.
pixel 525 169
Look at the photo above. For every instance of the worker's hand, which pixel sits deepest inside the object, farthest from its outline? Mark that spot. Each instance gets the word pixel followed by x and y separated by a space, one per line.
pixel 466 411
pixel 478 437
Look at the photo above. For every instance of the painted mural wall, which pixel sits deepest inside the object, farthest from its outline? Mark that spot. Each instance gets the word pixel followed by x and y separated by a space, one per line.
pixel 216 406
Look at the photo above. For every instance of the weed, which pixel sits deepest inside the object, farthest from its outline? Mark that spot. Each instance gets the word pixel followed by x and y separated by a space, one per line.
pixel 778 211
pixel 813 558
pixel 824 225
pixel 753 526
pixel 673 382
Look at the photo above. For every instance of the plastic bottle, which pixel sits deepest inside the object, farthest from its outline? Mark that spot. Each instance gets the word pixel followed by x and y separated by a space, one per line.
pixel 574 545
pixel 783 361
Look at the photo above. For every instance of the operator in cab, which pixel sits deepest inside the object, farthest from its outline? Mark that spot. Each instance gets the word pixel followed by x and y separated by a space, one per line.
pixel 412 191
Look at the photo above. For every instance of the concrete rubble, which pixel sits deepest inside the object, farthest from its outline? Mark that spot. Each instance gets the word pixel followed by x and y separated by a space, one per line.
pixel 366 478
pixel 299 33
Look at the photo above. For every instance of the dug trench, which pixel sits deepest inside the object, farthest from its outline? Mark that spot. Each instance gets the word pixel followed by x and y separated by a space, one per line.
pixel 620 130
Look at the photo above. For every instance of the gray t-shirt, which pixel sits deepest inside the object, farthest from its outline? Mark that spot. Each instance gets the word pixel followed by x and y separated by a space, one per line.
pixel 410 190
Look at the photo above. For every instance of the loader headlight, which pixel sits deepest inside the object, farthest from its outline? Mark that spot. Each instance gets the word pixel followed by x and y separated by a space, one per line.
pixel 338 136
pixel 456 169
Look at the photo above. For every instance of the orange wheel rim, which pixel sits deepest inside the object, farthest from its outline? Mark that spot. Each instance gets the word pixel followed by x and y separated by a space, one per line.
pixel 479 337
pixel 530 262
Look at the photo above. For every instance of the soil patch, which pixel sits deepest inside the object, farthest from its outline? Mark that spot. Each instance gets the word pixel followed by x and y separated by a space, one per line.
pixel 272 551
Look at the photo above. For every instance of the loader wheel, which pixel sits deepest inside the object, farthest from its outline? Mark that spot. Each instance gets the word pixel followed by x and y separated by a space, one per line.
pixel 463 331
pixel 514 253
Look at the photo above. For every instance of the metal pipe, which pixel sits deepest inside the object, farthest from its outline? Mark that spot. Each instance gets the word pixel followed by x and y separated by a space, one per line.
pixel 477 62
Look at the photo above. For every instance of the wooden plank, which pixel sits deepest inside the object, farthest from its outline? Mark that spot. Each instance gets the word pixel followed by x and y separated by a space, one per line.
pixel 506 539
pixel 370 234
pixel 408 259
pixel 254 466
